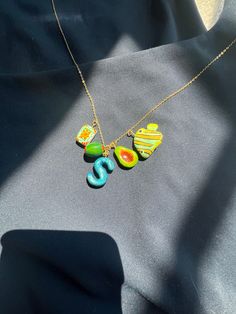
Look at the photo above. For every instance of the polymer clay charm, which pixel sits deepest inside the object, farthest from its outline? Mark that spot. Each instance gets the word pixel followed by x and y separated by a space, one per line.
pixel 126 157
pixel 94 149
pixel 85 134
pixel 147 140
pixel 99 169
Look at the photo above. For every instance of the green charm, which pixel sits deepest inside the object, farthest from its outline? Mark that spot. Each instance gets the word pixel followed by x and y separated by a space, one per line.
pixel 94 149
pixel 126 157
pixel 147 140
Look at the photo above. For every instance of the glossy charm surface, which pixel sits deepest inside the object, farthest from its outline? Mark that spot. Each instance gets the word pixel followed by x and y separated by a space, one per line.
pixel 101 167
pixel 94 149
pixel 126 157
pixel 147 140
pixel 85 134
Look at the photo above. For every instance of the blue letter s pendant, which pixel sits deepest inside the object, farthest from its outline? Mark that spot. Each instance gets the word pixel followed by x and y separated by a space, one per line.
pixel 99 168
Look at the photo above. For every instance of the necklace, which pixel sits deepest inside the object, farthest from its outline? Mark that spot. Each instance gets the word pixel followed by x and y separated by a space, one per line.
pixel 145 140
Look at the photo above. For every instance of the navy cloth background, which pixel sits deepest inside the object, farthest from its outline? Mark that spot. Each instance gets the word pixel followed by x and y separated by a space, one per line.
pixel 159 238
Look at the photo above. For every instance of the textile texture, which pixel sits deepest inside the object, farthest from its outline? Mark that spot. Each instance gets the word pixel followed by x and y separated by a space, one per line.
pixel 210 10
pixel 159 238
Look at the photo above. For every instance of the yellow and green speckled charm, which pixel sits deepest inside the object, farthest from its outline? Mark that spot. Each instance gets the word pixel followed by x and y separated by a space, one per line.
pixel 147 140
pixel 85 134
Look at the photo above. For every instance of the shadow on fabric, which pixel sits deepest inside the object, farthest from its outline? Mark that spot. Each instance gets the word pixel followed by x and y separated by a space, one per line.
pixel 37 84
pixel 181 289
pixel 54 272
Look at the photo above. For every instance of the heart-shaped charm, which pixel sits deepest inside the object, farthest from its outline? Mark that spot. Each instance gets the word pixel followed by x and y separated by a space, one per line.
pixel 147 140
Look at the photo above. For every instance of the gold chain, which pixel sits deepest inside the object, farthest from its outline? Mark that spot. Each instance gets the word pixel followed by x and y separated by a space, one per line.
pixel 130 132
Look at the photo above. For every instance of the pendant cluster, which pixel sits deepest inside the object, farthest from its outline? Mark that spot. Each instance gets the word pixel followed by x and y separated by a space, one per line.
pixel 145 141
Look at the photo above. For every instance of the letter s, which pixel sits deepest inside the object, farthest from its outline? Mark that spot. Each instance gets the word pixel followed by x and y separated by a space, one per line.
pixel 101 171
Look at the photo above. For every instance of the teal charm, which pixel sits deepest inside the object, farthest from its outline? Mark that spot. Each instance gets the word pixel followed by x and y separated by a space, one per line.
pixel 94 149
pixel 101 167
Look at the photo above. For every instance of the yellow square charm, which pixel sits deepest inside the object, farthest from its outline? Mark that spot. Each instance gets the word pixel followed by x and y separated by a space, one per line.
pixel 85 134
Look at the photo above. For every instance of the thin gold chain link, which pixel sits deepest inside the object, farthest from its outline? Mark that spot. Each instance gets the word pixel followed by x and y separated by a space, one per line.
pixel 148 113
pixel 164 100
pixel 96 120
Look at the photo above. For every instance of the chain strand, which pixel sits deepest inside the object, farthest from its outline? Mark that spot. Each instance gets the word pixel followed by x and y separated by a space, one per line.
pixel 129 131
pixel 181 89
pixel 80 74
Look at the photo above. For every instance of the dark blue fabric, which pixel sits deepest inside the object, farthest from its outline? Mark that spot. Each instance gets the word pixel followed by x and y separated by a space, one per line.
pixel 159 238
pixel 60 272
